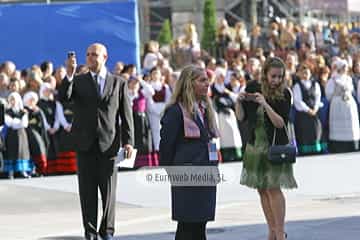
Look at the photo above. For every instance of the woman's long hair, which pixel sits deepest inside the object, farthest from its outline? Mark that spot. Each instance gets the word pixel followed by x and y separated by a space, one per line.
pixel 185 95
pixel 267 91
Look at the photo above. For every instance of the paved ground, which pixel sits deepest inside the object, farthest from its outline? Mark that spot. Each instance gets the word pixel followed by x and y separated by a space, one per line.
pixel 326 206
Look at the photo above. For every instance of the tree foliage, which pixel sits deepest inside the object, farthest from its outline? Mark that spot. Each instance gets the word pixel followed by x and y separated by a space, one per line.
pixel 209 26
pixel 165 36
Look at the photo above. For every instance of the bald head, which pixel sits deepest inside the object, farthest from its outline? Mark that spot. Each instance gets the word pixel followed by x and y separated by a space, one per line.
pixel 96 57
pixel 99 46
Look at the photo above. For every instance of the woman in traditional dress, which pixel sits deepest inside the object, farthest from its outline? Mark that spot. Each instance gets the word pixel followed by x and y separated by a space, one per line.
pixel 139 93
pixel 17 153
pixel 66 156
pixel 344 132
pixel 156 105
pixel 49 106
pixel 230 138
pixel 36 131
pixel 307 101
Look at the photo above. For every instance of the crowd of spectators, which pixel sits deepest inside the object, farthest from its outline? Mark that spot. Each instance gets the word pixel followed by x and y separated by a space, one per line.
pixel 323 72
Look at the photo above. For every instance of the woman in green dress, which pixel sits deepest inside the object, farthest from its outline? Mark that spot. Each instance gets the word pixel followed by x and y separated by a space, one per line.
pixel 265 107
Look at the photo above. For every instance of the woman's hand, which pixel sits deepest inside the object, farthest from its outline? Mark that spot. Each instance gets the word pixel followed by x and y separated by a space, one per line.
pixel 274 117
pixel 52 131
pixel 68 128
pixel 260 99
pixel 312 112
pixel 241 96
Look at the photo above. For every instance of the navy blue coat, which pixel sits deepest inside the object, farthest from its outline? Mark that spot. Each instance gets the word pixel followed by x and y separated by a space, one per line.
pixel 189 203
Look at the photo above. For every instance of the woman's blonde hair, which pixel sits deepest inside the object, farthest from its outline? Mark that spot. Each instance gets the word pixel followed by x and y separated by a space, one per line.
pixel 185 95
pixel 267 91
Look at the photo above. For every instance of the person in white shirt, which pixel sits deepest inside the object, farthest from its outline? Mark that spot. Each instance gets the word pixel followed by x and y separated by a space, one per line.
pixel 156 103
pixel 344 132
pixel 308 129
pixel 17 152
pixel 224 102
pixel 139 93
pixel 151 55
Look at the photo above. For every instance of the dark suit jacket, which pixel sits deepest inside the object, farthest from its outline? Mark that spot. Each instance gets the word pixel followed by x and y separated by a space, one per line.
pixel 96 118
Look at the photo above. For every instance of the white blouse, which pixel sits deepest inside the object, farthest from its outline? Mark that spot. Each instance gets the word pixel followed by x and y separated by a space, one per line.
pixel 299 103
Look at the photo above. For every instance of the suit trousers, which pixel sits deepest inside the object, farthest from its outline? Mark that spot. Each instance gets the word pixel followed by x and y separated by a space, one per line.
pixel 96 171
pixel 191 231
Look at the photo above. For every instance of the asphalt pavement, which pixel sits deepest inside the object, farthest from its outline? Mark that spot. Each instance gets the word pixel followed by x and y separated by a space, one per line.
pixel 325 206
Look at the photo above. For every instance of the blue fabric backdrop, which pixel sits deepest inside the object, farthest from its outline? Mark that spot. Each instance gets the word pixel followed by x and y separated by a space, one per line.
pixel 32 33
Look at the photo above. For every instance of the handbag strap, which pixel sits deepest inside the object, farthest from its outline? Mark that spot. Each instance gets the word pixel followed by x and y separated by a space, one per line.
pixel 286 131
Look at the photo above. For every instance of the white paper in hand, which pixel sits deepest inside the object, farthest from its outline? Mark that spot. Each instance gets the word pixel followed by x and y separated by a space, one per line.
pixel 123 162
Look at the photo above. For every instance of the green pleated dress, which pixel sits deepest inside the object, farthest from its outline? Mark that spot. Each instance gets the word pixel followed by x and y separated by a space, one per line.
pixel 257 170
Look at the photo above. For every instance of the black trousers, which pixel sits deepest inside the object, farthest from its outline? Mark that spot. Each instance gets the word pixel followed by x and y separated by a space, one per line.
pixel 191 231
pixel 96 171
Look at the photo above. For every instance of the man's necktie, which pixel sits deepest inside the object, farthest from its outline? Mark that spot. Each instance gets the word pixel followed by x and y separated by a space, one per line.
pixel 97 84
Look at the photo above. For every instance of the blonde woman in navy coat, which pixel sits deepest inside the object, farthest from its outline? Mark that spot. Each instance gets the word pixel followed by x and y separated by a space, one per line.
pixel 187 140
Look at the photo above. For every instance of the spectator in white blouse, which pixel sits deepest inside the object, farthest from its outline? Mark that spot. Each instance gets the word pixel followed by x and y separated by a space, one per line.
pixel 307 101
pixel 344 131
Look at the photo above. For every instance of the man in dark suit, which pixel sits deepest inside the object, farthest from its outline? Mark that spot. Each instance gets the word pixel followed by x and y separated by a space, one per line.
pixel 102 122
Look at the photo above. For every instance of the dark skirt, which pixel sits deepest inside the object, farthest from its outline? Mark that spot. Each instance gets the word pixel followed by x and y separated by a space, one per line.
pixel 17 153
pixel 308 132
pixel 37 150
pixel 65 141
pixel 143 141
pixel 66 157
pixel 52 151
pixel 343 146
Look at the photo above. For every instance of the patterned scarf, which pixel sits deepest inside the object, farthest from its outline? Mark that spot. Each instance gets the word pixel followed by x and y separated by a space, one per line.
pixel 191 129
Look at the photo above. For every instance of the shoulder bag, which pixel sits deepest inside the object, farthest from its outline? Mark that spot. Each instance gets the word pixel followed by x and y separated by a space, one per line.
pixel 279 154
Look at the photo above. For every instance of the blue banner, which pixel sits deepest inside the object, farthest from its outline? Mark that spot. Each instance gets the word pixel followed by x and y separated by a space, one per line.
pixel 32 33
